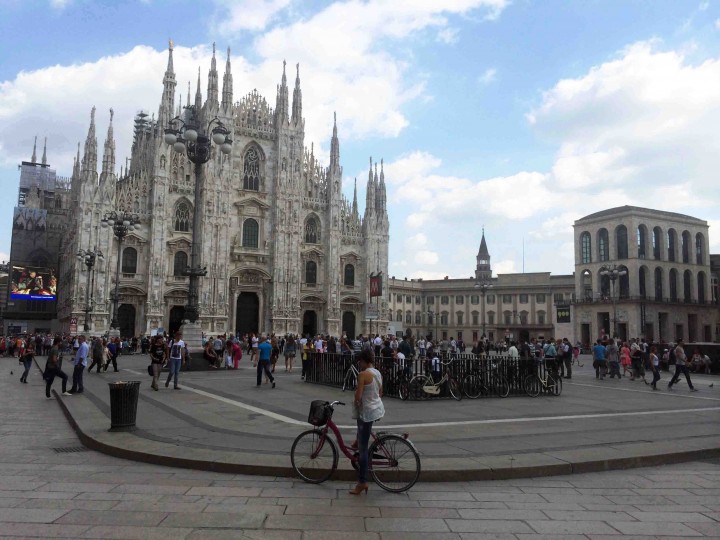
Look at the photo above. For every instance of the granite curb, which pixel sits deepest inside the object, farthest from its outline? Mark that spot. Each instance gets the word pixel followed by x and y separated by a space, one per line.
pixel 132 446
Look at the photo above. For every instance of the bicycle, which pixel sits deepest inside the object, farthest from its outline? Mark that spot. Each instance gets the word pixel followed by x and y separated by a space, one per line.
pixel 551 382
pixel 393 461
pixel 420 386
pixel 350 380
pixel 485 382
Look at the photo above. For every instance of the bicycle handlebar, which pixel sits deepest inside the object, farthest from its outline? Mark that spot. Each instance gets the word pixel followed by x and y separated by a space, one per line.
pixel 336 403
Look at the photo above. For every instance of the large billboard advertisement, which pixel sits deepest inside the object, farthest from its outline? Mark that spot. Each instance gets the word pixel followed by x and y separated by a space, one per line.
pixel 33 283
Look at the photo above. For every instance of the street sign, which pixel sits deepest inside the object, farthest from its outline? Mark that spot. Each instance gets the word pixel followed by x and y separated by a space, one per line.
pixel 372 311
pixel 73 325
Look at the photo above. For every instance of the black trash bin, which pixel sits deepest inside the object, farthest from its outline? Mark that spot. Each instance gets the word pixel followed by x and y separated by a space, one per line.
pixel 123 405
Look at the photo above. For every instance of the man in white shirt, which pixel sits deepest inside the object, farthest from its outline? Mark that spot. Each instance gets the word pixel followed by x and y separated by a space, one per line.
pixel 79 363
pixel 512 351
pixel 421 346
pixel 377 343
pixel 176 353
pixel 318 344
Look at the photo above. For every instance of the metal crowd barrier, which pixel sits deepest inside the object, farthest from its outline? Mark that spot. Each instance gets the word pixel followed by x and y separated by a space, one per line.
pixel 331 369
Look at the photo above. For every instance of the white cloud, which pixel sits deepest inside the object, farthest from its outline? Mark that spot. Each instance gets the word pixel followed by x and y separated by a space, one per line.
pixel 237 15
pixel 504 267
pixel 703 6
pixel 4 257
pixel 717 24
pixel 59 4
pixel 488 77
pixel 425 256
pixel 448 36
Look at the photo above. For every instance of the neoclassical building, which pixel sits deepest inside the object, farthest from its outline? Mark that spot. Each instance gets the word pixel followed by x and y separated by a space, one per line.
pixel 515 306
pixel 663 287
pixel 285 251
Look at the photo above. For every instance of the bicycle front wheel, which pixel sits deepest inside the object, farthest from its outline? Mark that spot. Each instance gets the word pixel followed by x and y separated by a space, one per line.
pixel 404 389
pixel 350 381
pixel 471 386
pixel 502 386
pixel 314 456
pixel 416 387
pixel 454 389
pixel 394 463
pixel 554 385
pixel 532 385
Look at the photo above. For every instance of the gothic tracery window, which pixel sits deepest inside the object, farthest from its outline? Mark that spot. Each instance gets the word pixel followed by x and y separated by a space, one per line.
pixel 251 170
pixel 182 217
pixel 312 230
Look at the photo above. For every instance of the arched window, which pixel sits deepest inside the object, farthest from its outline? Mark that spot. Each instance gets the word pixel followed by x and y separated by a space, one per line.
pixel 673 285
pixel 180 263
pixel 604 286
pixel 624 282
pixel 250 233
pixel 129 260
pixel 699 248
pixel 587 285
pixel 621 240
pixel 642 241
pixel 349 275
pixel 671 244
pixel 642 281
pixel 603 245
pixel 685 247
pixel 585 248
pixel 182 217
pixel 658 284
pixel 311 272
pixel 657 243
pixel 312 230
pixel 251 169
pixel 701 287
pixel 687 286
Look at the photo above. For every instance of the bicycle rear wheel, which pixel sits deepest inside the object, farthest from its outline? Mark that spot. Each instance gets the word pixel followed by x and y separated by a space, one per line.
pixel 554 385
pixel 532 385
pixel 416 387
pixel 502 386
pixel 404 389
pixel 454 389
pixel 471 386
pixel 314 456
pixel 394 463
pixel 350 381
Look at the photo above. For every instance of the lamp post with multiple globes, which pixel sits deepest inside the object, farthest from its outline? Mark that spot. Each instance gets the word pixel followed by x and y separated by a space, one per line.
pixel 88 257
pixel 122 223
pixel 187 137
pixel 613 272
pixel 483 287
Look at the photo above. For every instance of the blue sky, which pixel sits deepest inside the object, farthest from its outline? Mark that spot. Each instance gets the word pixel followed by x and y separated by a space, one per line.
pixel 517 116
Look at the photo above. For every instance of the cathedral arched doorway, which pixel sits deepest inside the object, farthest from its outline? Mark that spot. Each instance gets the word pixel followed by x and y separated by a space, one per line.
pixel 247 313
pixel 309 323
pixel 177 314
pixel 126 320
pixel 348 324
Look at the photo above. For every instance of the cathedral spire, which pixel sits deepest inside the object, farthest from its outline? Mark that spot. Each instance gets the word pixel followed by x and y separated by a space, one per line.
pixel 167 103
pixel 370 194
pixel 34 156
pixel 108 163
pixel 212 90
pixel 281 101
pixel 297 100
pixel 76 165
pixel 355 203
pixel 381 194
pixel 227 91
pixel 89 161
pixel 198 95
pixel 44 157
pixel 334 147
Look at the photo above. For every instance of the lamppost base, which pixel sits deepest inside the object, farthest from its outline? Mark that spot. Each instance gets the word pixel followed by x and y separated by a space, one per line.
pixel 192 336
pixel 114 332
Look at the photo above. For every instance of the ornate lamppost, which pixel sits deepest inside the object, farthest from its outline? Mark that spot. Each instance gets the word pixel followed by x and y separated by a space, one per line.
pixel 189 138
pixel 122 223
pixel 88 257
pixel 483 286
pixel 613 272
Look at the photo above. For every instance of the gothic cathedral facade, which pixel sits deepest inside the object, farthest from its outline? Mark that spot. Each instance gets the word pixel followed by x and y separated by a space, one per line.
pixel 285 251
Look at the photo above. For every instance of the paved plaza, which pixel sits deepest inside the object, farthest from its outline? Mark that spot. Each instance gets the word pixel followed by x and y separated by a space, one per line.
pixel 47 492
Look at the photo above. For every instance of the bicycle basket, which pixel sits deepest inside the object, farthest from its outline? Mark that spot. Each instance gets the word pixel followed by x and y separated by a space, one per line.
pixel 320 413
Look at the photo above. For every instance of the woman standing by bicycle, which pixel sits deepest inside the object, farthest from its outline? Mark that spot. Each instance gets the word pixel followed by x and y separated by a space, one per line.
pixel 367 408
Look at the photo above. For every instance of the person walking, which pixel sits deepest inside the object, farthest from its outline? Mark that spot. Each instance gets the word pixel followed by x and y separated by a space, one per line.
pixel 177 354
pixel 681 366
pixel 654 363
pixel 97 355
pixel 79 364
pixel 157 359
pixel 599 359
pixel 367 408
pixel 52 369
pixel 613 358
pixel 289 353
pixel 26 360
pixel 113 350
pixel 264 350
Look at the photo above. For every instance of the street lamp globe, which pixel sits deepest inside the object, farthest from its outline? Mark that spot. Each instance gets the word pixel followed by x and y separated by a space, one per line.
pixel 191 134
pixel 170 136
